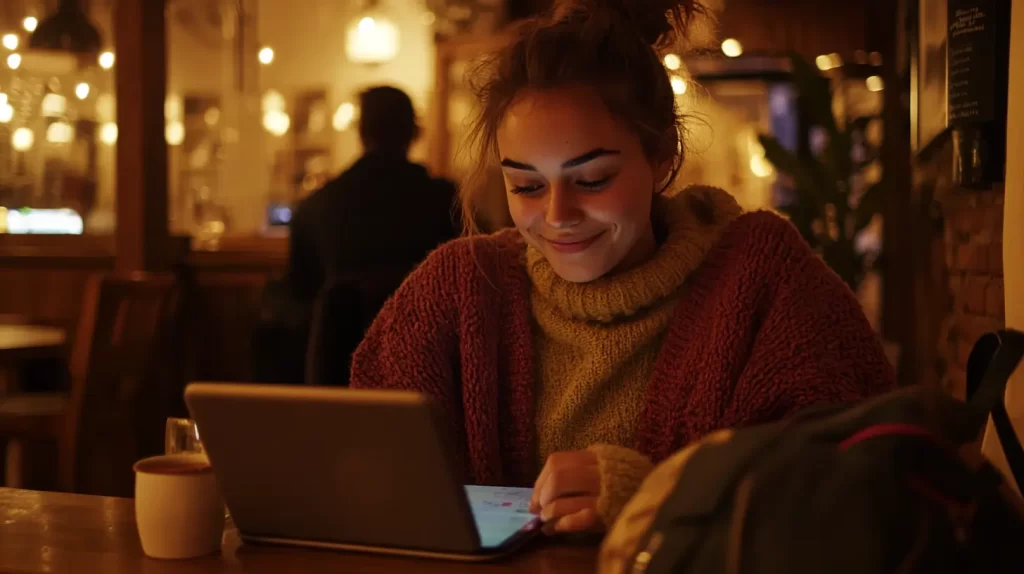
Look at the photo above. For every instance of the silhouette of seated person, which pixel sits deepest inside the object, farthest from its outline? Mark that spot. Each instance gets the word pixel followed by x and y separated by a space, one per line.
pixel 354 240
pixel 383 212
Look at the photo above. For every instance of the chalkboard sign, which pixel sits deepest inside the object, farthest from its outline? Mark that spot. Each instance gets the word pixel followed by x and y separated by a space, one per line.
pixel 978 36
pixel 972 60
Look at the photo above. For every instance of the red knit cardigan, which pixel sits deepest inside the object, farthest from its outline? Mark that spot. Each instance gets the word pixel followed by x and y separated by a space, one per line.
pixel 763 328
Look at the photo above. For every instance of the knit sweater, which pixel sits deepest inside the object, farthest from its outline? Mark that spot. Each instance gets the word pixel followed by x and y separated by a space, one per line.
pixel 595 343
pixel 764 328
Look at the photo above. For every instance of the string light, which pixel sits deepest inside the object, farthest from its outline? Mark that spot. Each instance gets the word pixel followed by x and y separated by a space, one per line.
pixel 731 47
pixel 266 55
pixel 678 85
pixel 10 41
pixel 343 116
pixel 874 83
pixel 174 133
pixel 14 61
pixel 276 122
pixel 672 61
pixel 60 132
pixel 82 90
pixel 371 40
pixel 54 105
pixel 106 60
pixel 22 139
pixel 30 23
pixel 108 133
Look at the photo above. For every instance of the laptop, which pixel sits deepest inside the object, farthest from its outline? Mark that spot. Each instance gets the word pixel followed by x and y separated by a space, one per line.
pixel 349 469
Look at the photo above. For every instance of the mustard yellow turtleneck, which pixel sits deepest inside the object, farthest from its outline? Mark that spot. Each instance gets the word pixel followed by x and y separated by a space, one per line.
pixel 596 342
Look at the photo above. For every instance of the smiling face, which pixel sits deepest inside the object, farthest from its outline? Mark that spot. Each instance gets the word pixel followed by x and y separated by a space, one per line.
pixel 578 183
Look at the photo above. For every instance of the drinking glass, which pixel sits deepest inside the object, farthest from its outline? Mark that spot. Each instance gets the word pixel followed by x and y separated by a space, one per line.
pixel 182 435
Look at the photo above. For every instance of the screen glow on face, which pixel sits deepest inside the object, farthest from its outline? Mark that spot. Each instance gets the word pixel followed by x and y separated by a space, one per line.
pixel 500 512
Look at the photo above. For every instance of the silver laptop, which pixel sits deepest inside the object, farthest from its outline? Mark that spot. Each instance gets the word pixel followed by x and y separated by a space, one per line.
pixel 351 470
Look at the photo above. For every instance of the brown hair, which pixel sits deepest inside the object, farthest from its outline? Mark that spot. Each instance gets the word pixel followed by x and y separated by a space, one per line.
pixel 610 45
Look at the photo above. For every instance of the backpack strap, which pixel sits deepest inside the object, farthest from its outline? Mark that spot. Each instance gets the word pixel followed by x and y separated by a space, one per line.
pixel 992 361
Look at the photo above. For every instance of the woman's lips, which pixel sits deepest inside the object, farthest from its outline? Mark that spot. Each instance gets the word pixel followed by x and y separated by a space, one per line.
pixel 573 245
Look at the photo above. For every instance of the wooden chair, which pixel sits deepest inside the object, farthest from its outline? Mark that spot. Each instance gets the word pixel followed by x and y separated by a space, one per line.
pixel 112 413
pixel 344 309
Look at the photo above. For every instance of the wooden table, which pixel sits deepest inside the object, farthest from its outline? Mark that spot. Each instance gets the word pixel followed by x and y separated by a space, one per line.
pixel 21 343
pixel 50 532
pixel 27 342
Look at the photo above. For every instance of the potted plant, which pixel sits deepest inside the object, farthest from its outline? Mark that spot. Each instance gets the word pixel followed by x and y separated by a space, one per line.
pixel 833 207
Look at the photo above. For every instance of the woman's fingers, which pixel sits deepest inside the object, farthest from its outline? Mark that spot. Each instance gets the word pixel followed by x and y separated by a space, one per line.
pixel 569 482
pixel 564 507
pixel 565 474
pixel 569 515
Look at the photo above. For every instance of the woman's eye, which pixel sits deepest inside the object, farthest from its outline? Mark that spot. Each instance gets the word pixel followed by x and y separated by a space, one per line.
pixel 526 189
pixel 594 183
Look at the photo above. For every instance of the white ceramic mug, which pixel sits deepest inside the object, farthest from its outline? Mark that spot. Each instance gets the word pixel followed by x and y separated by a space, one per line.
pixel 178 507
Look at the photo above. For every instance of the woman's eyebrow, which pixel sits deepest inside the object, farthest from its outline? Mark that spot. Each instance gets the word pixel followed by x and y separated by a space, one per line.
pixel 574 162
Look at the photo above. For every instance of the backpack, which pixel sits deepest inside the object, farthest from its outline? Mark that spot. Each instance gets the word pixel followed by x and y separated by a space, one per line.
pixel 894 484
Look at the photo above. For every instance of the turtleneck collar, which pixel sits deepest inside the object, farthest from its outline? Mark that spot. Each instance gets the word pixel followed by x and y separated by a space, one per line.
pixel 692 221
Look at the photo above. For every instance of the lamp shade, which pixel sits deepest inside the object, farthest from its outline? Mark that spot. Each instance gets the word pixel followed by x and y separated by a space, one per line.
pixel 68 29
pixel 371 38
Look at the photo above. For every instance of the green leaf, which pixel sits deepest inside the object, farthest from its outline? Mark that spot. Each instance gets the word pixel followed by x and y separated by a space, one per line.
pixel 802 217
pixel 837 161
pixel 870 204
pixel 785 161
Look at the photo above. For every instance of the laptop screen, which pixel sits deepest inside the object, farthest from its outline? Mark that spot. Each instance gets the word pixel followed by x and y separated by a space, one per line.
pixel 500 512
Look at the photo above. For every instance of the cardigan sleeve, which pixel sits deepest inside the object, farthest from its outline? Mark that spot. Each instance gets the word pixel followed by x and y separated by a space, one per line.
pixel 622 471
pixel 412 343
pixel 813 344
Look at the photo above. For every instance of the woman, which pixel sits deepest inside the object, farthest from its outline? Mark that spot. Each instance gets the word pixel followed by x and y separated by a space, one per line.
pixel 613 325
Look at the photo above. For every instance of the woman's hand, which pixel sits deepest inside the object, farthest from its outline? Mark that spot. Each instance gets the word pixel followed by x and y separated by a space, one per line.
pixel 566 493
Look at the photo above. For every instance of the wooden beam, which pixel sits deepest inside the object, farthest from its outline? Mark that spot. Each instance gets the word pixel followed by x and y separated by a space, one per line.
pixel 898 227
pixel 142 228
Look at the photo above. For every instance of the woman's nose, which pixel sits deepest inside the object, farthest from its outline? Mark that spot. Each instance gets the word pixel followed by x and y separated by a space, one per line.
pixel 562 209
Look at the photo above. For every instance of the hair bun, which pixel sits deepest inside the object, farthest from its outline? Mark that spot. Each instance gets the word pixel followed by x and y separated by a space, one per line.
pixel 657 22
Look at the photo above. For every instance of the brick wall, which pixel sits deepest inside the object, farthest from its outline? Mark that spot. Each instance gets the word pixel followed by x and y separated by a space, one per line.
pixel 968 255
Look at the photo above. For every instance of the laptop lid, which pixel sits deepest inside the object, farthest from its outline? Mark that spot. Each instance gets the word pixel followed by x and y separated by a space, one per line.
pixel 358 467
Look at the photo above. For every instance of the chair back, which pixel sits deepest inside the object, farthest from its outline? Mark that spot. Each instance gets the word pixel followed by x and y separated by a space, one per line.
pixel 222 310
pixel 343 311
pixel 121 385
pixel 334 334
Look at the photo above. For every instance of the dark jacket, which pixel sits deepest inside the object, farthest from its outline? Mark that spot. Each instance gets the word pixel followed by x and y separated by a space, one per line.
pixel 384 211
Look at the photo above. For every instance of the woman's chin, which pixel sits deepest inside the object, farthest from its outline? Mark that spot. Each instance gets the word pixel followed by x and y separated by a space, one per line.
pixel 577 271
